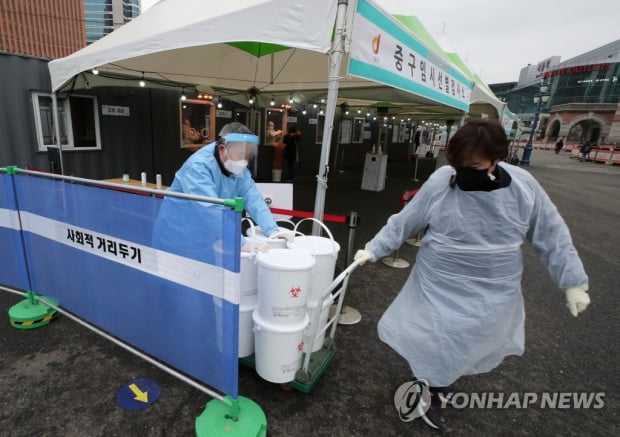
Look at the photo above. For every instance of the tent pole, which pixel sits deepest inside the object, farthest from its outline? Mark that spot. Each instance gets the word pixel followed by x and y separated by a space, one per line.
pixel 335 58
pixel 57 130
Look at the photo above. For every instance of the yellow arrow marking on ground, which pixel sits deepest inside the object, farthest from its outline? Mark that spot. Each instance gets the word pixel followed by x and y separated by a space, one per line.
pixel 141 396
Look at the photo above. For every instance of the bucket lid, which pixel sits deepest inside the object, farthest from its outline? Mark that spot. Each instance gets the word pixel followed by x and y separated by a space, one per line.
pixel 245 307
pixel 285 259
pixel 284 328
pixel 315 245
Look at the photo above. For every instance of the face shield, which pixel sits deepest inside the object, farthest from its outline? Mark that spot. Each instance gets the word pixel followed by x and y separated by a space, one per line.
pixel 240 146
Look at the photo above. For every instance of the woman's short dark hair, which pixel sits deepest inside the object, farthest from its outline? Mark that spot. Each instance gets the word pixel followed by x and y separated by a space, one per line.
pixel 478 137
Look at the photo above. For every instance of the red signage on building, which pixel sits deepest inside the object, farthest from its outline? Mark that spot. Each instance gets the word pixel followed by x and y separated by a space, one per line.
pixel 577 69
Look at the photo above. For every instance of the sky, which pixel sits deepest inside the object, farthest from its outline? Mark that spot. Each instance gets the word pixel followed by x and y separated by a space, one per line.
pixel 496 38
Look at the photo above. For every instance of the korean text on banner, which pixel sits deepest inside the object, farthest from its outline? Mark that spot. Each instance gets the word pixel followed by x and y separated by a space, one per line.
pixel 96 251
pixel 383 51
pixel 508 119
pixel 13 265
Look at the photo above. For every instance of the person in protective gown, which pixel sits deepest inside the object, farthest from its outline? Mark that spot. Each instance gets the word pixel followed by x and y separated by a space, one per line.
pixel 216 170
pixel 461 310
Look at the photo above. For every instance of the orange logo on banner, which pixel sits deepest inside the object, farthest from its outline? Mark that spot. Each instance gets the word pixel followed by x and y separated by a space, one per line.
pixel 375 44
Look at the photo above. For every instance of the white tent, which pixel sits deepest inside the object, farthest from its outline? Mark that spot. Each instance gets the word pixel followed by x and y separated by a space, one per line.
pixel 268 47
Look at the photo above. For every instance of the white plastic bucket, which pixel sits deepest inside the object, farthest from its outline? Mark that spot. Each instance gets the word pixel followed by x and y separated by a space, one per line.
pixel 246 330
pixel 284 281
pixel 249 289
pixel 325 252
pixel 278 348
pixel 311 330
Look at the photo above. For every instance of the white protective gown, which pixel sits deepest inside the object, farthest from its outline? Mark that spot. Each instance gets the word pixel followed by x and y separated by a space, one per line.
pixel 460 311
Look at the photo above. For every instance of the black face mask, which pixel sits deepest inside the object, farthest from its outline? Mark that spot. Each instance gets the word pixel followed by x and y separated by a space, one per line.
pixel 472 179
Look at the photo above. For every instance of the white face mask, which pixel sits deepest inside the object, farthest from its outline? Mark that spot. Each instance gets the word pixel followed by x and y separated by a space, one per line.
pixel 235 167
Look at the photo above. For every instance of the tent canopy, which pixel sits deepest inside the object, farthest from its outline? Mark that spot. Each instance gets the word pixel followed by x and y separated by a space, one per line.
pixel 232 49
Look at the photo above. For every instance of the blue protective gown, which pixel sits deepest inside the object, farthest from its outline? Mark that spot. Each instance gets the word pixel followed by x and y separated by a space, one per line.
pixel 183 226
pixel 461 311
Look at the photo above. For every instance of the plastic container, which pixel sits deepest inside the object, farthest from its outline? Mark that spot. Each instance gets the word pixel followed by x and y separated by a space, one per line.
pixel 249 288
pixel 283 282
pixel 325 252
pixel 246 330
pixel 278 348
pixel 311 331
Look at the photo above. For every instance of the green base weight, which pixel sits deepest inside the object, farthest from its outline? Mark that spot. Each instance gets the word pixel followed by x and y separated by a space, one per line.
pixel 219 419
pixel 30 313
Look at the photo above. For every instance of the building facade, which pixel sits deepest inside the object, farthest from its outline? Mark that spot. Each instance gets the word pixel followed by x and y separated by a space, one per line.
pixel 42 28
pixel 103 16
pixel 584 98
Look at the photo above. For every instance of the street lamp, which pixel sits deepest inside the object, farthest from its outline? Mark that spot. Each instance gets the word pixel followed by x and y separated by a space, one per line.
pixel 542 96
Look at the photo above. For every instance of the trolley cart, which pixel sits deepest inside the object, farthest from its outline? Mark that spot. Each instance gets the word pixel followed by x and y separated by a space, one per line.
pixel 314 364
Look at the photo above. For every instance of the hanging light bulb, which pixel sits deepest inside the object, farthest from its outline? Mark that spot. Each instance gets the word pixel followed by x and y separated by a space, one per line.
pixel 273 100
pixel 95 71
pixel 251 100
pixel 219 102
pixel 321 111
pixel 183 97
pixel 368 114
pixel 290 99
pixel 322 100
pixel 142 83
pixel 374 119
pixel 304 111
pixel 314 105
pixel 359 110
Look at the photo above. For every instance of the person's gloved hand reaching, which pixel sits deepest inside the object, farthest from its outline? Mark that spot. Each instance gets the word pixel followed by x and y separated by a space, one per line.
pixel 363 255
pixel 284 235
pixel 252 246
pixel 577 300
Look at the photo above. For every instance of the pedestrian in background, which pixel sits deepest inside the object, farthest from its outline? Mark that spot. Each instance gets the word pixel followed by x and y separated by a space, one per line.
pixel 559 145
pixel 585 150
pixel 461 310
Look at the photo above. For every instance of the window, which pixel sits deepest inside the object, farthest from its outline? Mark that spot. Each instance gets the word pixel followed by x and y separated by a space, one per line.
pixel 78 119
pixel 197 123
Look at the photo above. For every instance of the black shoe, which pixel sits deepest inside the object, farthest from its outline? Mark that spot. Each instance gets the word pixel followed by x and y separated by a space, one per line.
pixel 445 394
pixel 433 416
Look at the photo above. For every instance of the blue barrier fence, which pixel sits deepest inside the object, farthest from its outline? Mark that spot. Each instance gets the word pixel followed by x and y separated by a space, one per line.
pixel 12 258
pixel 159 274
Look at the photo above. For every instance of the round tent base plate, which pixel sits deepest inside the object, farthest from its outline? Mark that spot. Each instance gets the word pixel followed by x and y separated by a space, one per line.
pixel 348 315
pixel 397 263
pixel 413 242
pixel 216 420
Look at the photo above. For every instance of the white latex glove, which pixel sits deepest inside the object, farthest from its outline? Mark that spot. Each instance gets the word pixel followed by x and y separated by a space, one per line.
pixel 252 246
pixel 284 235
pixel 577 300
pixel 363 255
